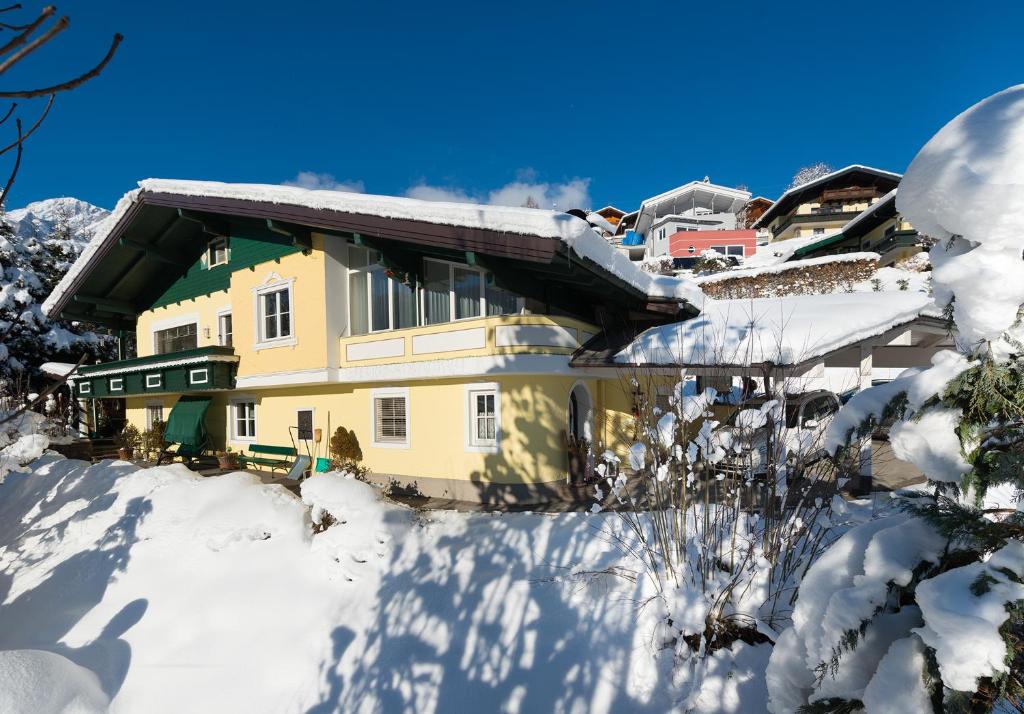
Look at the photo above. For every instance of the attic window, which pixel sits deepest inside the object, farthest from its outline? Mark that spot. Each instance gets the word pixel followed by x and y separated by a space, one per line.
pixel 217 252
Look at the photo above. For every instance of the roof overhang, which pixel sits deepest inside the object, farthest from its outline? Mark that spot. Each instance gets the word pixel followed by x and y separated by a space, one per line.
pixel 161 234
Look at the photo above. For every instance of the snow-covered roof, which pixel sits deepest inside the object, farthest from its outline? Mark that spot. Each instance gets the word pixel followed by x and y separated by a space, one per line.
pixel 574 232
pixel 748 272
pixel 770 213
pixel 781 251
pixel 57 369
pixel 783 331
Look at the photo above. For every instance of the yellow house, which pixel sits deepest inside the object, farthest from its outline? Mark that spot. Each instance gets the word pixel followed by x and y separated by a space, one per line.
pixel 826 204
pixel 441 335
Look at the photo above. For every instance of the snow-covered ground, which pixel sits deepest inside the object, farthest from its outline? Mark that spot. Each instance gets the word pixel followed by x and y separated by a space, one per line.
pixel 160 591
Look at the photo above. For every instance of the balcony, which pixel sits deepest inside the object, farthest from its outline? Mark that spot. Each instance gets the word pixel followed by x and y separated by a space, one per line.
pixel 817 217
pixel 198 370
pixel 477 337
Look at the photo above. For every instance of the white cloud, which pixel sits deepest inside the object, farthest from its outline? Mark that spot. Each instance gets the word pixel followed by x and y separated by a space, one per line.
pixel 574 193
pixel 324 181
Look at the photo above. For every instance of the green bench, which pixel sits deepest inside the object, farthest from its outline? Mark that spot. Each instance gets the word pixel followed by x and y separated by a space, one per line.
pixel 275 457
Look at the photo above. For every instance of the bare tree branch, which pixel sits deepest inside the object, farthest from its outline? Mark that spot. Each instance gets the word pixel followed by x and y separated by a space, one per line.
pixel 14 105
pixel 19 40
pixel 31 130
pixel 58 27
pixel 70 84
pixel 17 165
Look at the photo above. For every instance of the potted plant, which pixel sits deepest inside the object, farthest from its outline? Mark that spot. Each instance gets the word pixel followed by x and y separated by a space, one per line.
pixel 127 441
pixel 227 460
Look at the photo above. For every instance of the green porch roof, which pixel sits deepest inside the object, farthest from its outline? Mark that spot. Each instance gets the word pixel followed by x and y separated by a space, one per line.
pixel 199 370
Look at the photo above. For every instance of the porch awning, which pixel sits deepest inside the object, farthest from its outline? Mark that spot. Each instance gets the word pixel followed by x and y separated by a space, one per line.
pixel 186 424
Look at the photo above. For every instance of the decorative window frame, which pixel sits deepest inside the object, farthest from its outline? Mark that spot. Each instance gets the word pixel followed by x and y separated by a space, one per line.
pixel 159 380
pixel 470 391
pixel 273 283
pixel 120 384
pixel 205 371
pixel 383 393
pixel 85 387
pixel 233 402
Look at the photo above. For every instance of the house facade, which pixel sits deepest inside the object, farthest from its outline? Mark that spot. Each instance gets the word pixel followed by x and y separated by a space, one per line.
pixel 441 335
pixel 826 204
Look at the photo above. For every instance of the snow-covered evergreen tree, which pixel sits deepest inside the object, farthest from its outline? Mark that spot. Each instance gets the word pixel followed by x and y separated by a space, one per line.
pixel 923 610
pixel 38 244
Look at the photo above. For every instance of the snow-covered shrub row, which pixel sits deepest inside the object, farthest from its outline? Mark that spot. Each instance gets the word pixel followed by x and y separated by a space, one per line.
pixel 814 276
pixel 924 611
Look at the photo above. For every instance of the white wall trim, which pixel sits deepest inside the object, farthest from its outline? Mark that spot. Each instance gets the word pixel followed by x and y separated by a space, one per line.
pixel 390 392
pixel 375 349
pixel 159 380
pixel 470 422
pixel 120 384
pixel 474 338
pixel 428 369
pixel 535 336
pixel 176 321
pixel 203 372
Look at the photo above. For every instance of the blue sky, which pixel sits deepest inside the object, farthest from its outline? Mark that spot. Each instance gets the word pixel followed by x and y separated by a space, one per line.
pixel 606 101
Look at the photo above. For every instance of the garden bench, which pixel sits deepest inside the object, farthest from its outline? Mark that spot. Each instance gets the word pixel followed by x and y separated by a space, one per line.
pixel 274 457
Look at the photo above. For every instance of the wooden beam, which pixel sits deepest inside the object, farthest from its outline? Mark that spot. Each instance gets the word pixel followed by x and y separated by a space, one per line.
pixel 153 252
pixel 118 306
pixel 300 235
pixel 210 225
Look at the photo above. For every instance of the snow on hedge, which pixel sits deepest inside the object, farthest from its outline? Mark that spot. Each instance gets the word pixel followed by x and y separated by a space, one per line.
pixel 575 232
pixel 966 188
pixel 784 331
pixel 748 272
pixel 181 593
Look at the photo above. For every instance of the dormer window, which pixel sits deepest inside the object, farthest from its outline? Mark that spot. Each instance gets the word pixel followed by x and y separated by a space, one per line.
pixel 217 253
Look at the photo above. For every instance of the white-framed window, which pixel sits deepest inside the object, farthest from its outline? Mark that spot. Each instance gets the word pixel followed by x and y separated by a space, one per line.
pixel 154 413
pixel 483 417
pixel 199 376
pixel 154 381
pixel 116 384
pixel 176 339
pixel 736 250
pixel 85 388
pixel 275 323
pixel 389 418
pixel 242 418
pixel 452 292
pixel 217 253
pixel 225 331
pixel 381 300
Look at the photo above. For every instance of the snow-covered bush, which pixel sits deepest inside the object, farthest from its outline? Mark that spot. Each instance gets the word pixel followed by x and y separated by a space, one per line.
pixel 711 262
pixel 728 509
pixel 33 259
pixel 923 610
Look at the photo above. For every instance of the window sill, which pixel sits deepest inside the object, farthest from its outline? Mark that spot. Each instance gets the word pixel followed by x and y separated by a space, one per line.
pixel 271 344
pixel 390 444
pixel 482 449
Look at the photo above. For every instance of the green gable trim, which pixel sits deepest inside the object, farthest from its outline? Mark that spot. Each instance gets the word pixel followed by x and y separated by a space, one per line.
pixel 245 253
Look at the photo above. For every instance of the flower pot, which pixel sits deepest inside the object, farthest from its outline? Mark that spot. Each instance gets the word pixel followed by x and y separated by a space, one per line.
pixel 227 462
pixel 125 454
